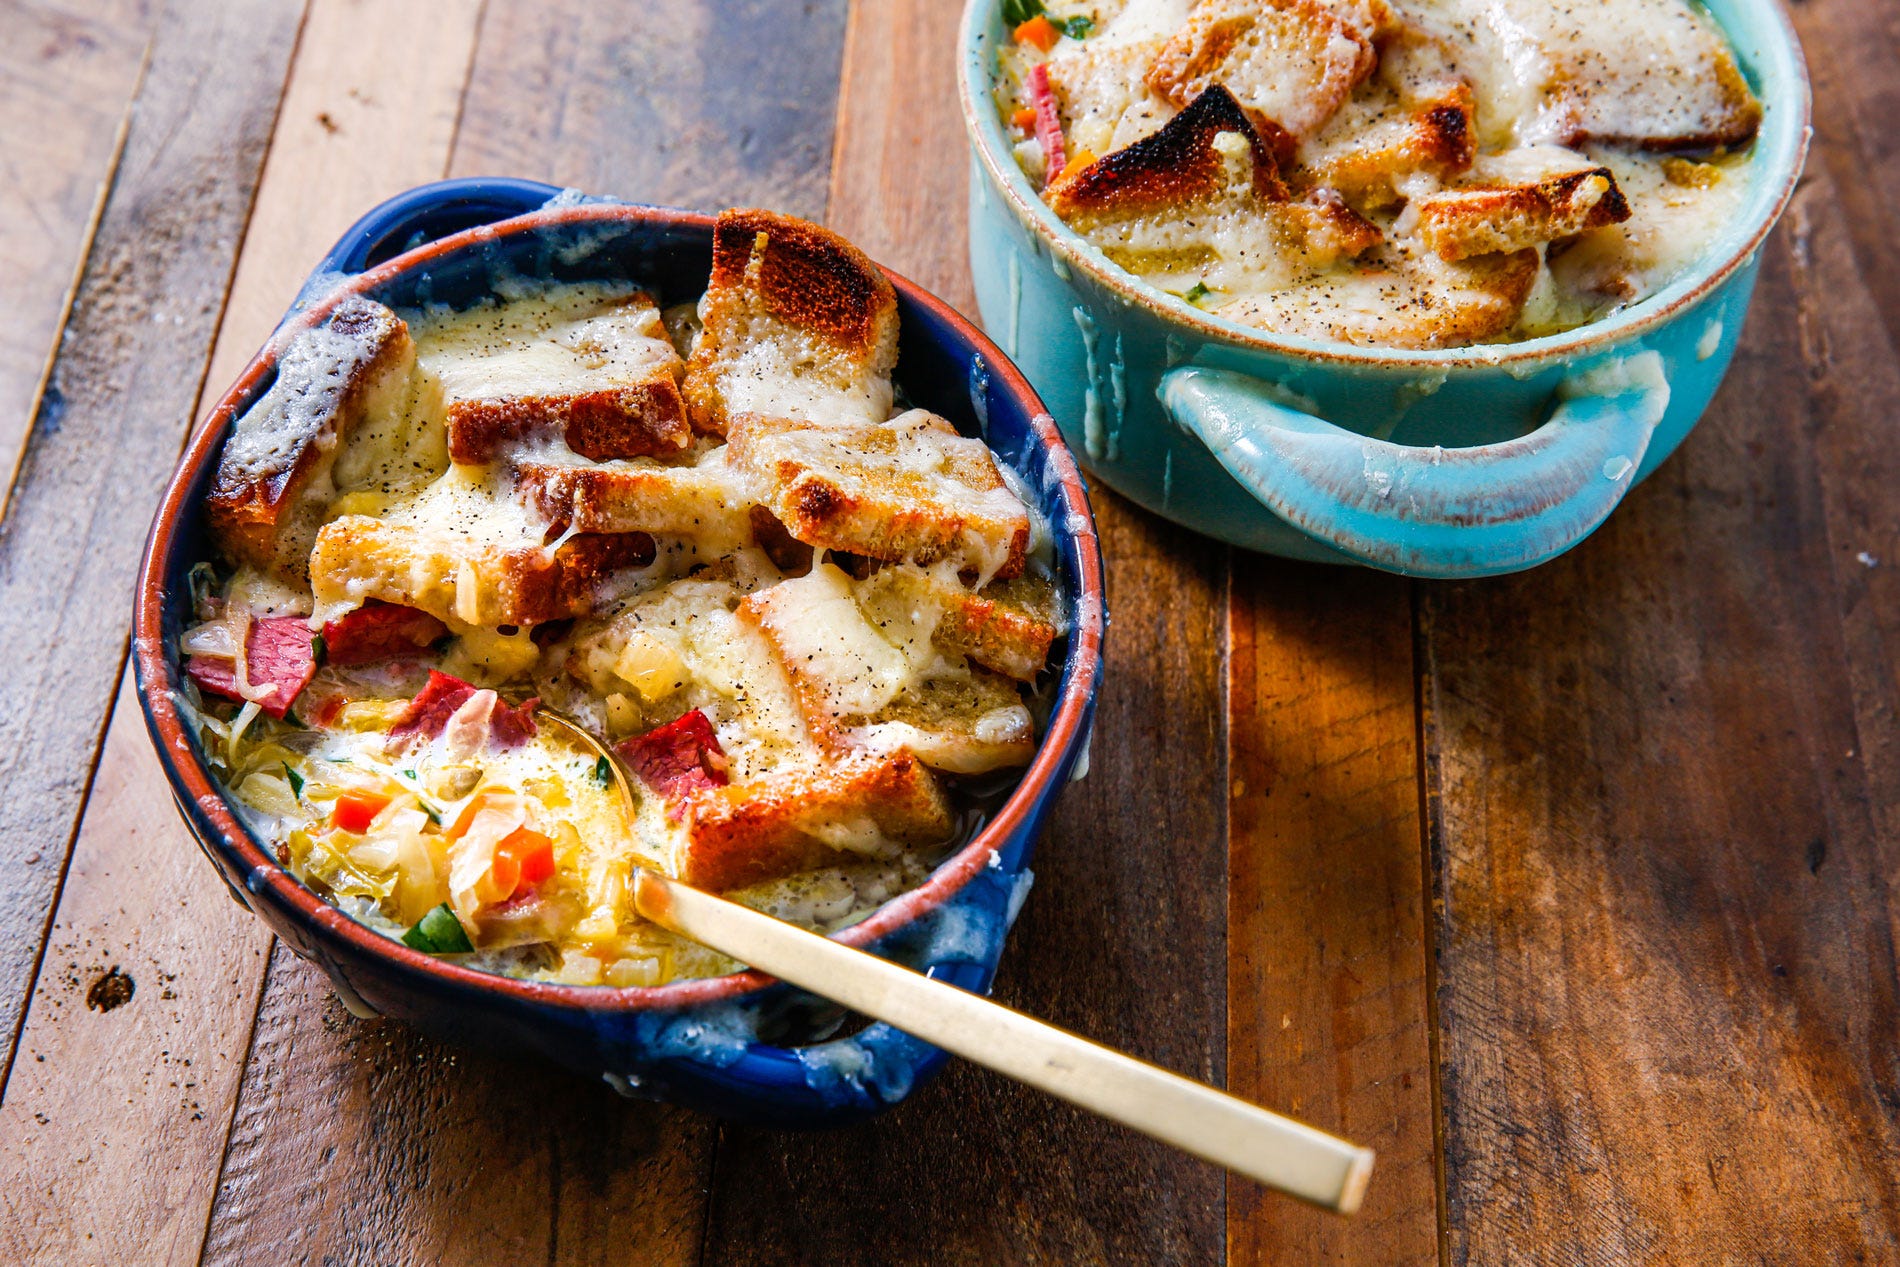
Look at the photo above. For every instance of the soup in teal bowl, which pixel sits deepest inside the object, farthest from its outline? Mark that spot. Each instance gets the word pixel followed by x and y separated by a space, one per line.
pixel 1454 462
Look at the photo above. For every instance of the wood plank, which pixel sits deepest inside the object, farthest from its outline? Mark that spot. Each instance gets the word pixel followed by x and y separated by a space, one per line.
pixel 974 1170
pixel 175 1055
pixel 68 73
pixel 362 1140
pixel 126 379
pixel 1328 1007
pixel 713 104
pixel 115 1118
pixel 1663 799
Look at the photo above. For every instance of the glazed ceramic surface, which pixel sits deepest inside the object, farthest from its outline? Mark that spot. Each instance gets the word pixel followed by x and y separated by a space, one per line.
pixel 1456 463
pixel 713 1043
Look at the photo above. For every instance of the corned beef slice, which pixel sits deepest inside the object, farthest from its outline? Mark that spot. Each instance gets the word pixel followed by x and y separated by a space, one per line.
pixel 279 661
pixel 679 758
pixel 442 695
pixel 378 631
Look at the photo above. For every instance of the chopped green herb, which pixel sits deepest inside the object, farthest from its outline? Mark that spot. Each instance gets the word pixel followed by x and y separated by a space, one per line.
pixel 410 775
pixel 430 810
pixel 438 933
pixel 1078 27
pixel 296 781
pixel 295 722
pixel 1196 293
pixel 1017 12
pixel 603 772
pixel 319 648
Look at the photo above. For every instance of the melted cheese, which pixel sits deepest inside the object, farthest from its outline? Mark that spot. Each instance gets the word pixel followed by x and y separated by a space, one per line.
pixel 559 341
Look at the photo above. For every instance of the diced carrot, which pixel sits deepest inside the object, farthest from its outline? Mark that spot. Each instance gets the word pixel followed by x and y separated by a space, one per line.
pixel 1082 159
pixel 528 854
pixel 474 807
pixel 356 809
pixel 1024 120
pixel 1039 31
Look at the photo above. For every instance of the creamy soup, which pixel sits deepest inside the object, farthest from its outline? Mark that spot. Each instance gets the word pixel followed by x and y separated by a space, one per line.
pixel 1408 173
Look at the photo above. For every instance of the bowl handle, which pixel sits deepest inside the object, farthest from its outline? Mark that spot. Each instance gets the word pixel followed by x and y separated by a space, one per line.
pixel 1433 512
pixel 424 214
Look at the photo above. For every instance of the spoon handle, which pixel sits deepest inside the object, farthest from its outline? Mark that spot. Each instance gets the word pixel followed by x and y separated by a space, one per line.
pixel 1210 1124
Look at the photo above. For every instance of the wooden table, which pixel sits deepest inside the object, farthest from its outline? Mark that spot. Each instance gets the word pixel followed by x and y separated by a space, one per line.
pixel 1572 893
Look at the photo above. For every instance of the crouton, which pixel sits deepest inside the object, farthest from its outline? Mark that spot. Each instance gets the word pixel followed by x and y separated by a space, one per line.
pixel 706 500
pixel 1650 73
pixel 590 366
pixel 1007 626
pixel 1289 63
pixel 1518 200
pixel 1417 114
pixel 795 820
pixel 797 322
pixel 1402 297
pixel 471 582
pixel 1203 199
pixel 273 480
pixel 910 488
pixel 871 676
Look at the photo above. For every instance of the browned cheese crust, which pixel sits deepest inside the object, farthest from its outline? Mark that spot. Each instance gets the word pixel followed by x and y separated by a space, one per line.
pixel 268 497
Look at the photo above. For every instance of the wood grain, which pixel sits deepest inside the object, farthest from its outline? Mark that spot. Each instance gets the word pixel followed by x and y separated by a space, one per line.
pixel 138 888
pixel 362 1141
pixel 117 405
pixel 115 1117
pixel 420 1152
pixel 1328 1010
pixel 1662 798
pixel 68 72
pixel 1122 937
pixel 710 105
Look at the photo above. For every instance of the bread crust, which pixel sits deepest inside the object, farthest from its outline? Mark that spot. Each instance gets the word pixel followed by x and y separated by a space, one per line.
pixel 358 557
pixel 812 303
pixel 1289 63
pixel 642 420
pixel 1479 220
pixel 776 826
pixel 267 499
pixel 845 490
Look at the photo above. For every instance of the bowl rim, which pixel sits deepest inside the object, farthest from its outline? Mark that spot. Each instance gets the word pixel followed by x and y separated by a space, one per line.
pixel 1781 149
pixel 193 783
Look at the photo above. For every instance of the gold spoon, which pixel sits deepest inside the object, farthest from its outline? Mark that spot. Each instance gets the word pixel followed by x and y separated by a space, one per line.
pixel 1210 1124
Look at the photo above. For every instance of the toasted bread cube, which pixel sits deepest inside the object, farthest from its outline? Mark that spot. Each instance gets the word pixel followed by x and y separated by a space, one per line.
pixel 1203 200
pixel 796 820
pixel 273 482
pixel 588 365
pixel 1518 200
pixel 1290 63
pixel 1402 298
pixel 466 581
pixel 872 676
pixel 1417 114
pixel 1657 74
pixel 1007 626
pixel 910 488
pixel 965 723
pixel 797 322
pixel 706 500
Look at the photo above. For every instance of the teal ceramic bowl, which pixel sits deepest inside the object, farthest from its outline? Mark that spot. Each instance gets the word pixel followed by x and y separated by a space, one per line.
pixel 1455 463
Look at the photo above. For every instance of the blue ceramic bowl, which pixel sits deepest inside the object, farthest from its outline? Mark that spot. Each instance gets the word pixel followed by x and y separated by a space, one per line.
pixel 707 1043
pixel 1455 463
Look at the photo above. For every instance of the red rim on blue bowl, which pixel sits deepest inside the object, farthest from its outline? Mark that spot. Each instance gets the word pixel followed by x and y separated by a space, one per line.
pixel 318 929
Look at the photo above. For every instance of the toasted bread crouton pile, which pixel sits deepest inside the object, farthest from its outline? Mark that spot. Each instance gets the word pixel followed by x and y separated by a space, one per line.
pixel 706 533
pixel 1380 171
